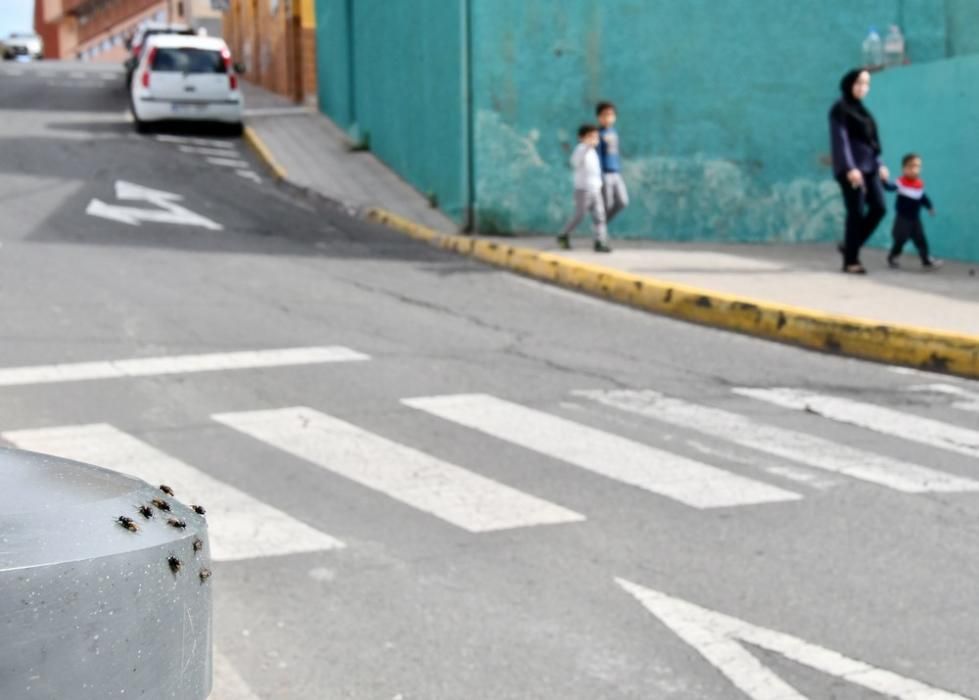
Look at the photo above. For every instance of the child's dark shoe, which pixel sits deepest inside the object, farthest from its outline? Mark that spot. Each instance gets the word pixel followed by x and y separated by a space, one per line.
pixel 564 243
pixel 932 264
pixel 893 264
pixel 602 247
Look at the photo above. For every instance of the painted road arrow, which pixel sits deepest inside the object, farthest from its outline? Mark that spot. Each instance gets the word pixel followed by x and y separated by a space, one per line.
pixel 168 211
pixel 718 638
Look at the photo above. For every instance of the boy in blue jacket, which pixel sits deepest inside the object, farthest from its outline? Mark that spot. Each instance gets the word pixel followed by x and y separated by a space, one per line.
pixel 613 186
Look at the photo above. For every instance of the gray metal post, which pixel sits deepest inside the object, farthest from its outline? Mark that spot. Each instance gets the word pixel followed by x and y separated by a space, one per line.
pixel 94 606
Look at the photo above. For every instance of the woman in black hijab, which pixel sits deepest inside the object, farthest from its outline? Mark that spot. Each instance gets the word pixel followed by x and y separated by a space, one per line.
pixel 857 166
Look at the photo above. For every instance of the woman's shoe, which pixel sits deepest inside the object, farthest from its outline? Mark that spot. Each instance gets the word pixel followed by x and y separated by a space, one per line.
pixel 855 269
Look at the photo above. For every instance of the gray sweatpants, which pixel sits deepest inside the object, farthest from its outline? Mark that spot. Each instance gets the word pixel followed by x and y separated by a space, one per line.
pixel 586 201
pixel 616 195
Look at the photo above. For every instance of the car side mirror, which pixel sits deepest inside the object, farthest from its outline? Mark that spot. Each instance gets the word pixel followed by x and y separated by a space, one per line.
pixel 240 68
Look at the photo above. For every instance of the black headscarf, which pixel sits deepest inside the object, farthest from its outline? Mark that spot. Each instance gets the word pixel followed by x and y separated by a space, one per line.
pixel 850 111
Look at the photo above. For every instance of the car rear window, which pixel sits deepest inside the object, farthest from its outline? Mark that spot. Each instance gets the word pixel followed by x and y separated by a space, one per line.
pixel 173 60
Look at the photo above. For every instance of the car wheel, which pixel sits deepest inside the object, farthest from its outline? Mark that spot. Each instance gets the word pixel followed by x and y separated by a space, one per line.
pixel 141 126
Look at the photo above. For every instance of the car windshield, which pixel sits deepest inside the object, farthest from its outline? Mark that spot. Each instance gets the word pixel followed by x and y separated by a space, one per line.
pixel 186 60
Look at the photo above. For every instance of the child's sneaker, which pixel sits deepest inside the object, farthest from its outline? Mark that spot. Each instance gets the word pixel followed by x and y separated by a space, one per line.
pixel 564 243
pixel 893 263
pixel 932 264
pixel 602 247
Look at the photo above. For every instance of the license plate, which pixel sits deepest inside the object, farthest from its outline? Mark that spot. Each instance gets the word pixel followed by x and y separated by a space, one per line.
pixel 180 108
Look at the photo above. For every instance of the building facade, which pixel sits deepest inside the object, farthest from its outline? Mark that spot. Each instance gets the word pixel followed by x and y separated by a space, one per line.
pixel 97 30
pixel 276 42
pixel 722 105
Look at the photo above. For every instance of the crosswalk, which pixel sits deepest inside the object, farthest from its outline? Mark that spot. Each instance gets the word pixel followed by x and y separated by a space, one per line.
pixel 461 495
pixel 744 458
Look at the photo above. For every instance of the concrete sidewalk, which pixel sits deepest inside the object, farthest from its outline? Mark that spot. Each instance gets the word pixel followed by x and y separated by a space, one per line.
pixel 315 154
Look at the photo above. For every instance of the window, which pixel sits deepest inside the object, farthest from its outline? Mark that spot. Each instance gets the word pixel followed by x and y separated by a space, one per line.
pixel 172 60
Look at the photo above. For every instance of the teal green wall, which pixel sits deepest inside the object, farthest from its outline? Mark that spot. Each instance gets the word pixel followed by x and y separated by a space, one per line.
pixel 933 110
pixel 722 109
pixel 722 104
pixel 397 80
pixel 333 65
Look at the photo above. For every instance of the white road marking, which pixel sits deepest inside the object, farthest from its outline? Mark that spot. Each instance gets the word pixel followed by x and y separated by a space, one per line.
pixel 176 364
pixel 684 480
pixel 77 75
pixel 719 638
pixel 228 162
pixel 971 402
pixel 799 447
pixel 13 71
pixel 239 526
pixel 250 175
pixel 877 418
pixel 167 211
pixel 798 474
pixel 210 143
pixel 207 151
pixel 228 683
pixel 461 497
pixel 109 76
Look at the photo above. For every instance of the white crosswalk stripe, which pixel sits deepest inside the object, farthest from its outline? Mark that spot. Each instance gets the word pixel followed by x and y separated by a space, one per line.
pixel 444 490
pixel 877 418
pixel 969 399
pixel 249 175
pixel 239 526
pixel 228 683
pixel 228 162
pixel 176 364
pixel 207 151
pixel 194 141
pixel 798 447
pixel 681 479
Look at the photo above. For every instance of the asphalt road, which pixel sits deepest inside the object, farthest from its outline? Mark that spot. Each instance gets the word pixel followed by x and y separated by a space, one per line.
pixel 468 485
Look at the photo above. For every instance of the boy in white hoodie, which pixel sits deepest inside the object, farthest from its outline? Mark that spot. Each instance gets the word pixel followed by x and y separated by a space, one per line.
pixel 587 190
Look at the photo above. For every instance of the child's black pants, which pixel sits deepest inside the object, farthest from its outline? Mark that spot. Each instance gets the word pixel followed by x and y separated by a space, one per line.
pixel 914 230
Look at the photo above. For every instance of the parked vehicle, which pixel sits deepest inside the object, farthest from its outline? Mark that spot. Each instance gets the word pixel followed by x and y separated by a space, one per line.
pixel 190 78
pixel 142 35
pixel 22 45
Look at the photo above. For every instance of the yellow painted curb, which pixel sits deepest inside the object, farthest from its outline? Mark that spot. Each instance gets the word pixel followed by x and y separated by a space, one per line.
pixel 255 141
pixel 922 348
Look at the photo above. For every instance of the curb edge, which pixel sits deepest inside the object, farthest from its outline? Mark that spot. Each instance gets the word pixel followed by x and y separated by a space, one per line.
pixel 258 145
pixel 921 348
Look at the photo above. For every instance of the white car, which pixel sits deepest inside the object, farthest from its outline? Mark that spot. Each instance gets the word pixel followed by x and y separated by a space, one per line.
pixel 22 46
pixel 186 78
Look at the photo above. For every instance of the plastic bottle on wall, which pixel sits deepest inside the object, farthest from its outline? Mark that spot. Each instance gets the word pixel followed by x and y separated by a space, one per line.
pixel 894 47
pixel 873 49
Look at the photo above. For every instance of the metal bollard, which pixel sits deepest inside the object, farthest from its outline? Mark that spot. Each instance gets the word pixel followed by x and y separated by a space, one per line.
pixel 104 592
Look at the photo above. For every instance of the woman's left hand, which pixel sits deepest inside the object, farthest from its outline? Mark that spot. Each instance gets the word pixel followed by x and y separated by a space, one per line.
pixel 885 174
